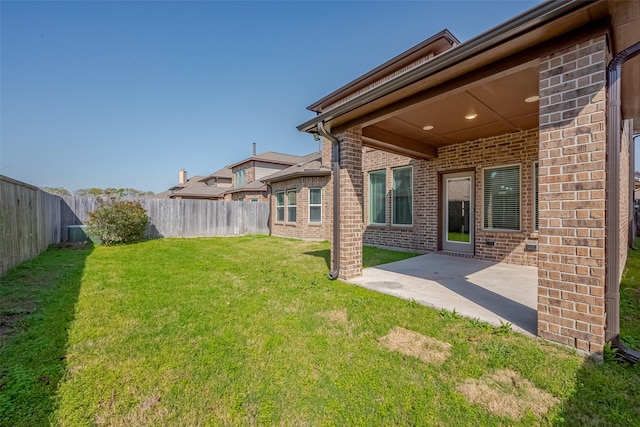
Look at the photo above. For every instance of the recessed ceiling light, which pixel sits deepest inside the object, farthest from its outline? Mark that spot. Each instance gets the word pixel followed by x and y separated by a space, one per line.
pixel 533 98
pixel 471 116
pixel 427 127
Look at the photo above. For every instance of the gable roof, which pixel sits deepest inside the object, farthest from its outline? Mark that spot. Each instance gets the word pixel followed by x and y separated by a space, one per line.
pixel 425 50
pixel 194 180
pixel 252 186
pixel 224 172
pixel 271 157
pixel 205 191
pixel 311 165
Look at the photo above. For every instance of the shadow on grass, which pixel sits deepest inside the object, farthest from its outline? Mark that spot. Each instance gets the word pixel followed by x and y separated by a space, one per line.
pixel 325 254
pixel 606 394
pixel 37 304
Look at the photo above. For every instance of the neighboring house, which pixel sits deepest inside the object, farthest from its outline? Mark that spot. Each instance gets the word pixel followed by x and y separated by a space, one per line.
pixel 299 196
pixel 248 173
pixel 515 139
pixel 211 187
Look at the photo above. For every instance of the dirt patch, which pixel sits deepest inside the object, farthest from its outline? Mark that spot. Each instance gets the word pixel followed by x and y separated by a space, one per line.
pixel 12 313
pixel 336 316
pixel 410 343
pixel 507 394
pixel 73 245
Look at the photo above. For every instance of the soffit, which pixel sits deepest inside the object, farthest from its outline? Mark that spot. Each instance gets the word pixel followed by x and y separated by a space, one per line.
pixel 510 48
pixel 625 17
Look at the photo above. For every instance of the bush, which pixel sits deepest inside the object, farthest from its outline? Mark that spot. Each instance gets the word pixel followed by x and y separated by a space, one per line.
pixel 117 222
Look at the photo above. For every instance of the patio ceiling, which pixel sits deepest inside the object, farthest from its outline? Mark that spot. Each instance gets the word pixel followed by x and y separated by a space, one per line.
pixel 498 103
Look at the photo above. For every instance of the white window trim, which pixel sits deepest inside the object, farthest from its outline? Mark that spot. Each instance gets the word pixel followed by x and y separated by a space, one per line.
pixel 533 194
pixel 316 204
pixel 284 206
pixel 412 197
pixel 503 230
pixel 287 206
pixel 384 197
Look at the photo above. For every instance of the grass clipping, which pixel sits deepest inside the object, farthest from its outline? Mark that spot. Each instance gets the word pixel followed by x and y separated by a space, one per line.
pixel 411 343
pixel 505 393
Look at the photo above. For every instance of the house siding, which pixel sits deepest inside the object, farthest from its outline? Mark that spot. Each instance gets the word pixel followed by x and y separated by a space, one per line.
pixel 263 169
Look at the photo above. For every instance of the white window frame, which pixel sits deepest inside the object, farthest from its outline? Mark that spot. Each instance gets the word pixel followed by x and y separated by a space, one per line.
pixel 384 197
pixel 288 206
pixel 393 196
pixel 506 230
pixel 315 205
pixel 283 206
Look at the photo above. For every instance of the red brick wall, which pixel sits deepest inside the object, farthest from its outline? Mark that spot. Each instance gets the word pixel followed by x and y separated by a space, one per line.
pixel 508 149
pixel 247 196
pixel 350 203
pixel 571 268
pixel 302 228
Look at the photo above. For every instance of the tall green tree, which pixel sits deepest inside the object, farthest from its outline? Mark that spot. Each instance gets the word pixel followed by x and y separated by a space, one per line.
pixel 60 191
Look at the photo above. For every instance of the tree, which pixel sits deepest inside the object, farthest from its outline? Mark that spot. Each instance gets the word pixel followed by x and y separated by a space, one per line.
pixel 112 192
pixel 56 190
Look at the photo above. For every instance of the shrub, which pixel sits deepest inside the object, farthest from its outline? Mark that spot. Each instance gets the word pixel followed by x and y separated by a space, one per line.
pixel 117 222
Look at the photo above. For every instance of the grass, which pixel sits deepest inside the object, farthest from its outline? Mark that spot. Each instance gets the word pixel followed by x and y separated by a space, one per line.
pixel 372 256
pixel 249 330
pixel 630 300
pixel 453 236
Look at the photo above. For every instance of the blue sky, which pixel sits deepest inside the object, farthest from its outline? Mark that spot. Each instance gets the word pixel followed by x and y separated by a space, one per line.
pixel 124 94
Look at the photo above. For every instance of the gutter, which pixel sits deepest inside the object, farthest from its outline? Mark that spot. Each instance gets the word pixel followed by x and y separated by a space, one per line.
pixel 534 17
pixel 335 169
pixel 612 238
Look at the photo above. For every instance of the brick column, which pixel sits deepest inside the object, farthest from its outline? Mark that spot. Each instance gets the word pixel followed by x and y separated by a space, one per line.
pixel 571 258
pixel 350 203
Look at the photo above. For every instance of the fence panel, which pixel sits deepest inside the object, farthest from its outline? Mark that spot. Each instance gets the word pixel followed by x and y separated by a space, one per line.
pixel 32 219
pixel 29 221
pixel 182 217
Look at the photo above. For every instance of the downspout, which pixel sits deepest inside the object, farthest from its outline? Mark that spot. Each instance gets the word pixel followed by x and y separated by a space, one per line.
pixel 335 170
pixel 269 190
pixel 612 239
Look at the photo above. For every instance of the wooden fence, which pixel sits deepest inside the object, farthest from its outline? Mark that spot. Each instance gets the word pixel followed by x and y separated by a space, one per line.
pixel 29 222
pixel 31 219
pixel 182 217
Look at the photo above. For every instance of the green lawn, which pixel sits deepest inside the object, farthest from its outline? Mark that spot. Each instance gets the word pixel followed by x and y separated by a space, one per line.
pixel 452 236
pixel 250 331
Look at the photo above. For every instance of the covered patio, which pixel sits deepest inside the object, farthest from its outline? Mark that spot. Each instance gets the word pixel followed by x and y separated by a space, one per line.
pixel 473 288
pixel 534 118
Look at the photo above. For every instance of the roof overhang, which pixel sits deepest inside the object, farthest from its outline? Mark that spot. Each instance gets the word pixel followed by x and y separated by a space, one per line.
pixel 297 174
pixel 488 74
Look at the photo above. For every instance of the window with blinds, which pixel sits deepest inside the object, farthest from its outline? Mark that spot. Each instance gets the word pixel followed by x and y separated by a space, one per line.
pixel 402 197
pixel 502 198
pixel 377 196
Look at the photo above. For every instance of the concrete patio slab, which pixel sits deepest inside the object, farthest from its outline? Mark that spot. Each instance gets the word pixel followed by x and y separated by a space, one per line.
pixel 492 292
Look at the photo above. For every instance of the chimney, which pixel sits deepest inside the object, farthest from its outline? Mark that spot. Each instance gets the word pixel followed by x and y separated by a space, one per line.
pixel 254 148
pixel 182 177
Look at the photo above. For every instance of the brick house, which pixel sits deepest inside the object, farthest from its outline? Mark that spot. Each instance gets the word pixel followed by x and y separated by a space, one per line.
pixel 514 146
pixel 211 187
pixel 299 200
pixel 248 173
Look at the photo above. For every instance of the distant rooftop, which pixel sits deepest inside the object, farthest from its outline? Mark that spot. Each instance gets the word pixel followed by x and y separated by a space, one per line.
pixel 271 157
